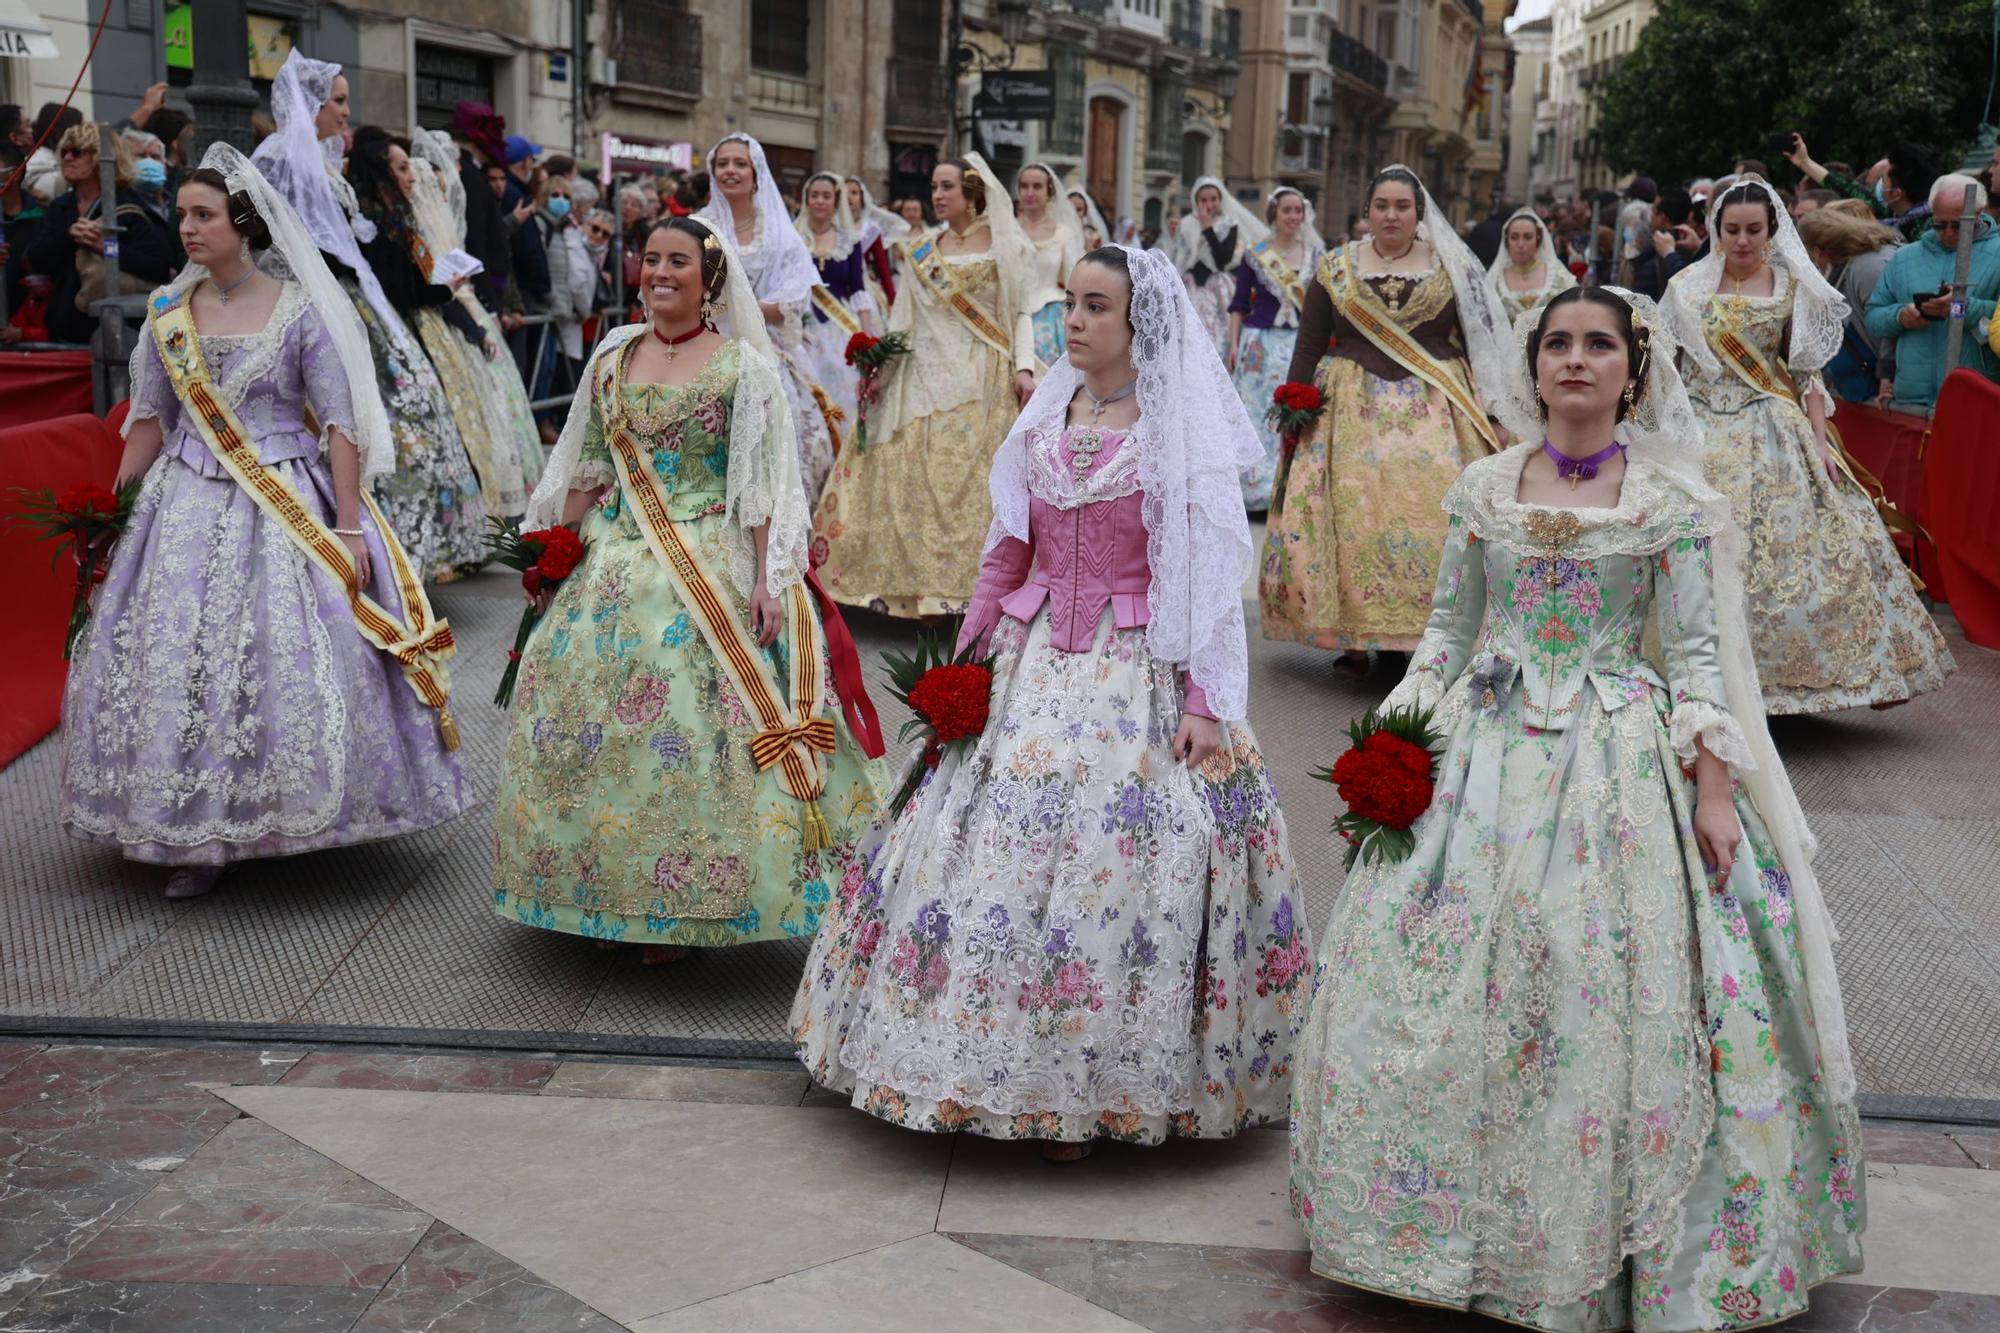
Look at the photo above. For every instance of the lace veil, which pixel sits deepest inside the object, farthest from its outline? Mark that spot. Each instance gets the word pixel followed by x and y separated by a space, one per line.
pixel 1818 311
pixel 307 173
pixel 1013 253
pixel 1096 219
pixel 786 273
pixel 1194 440
pixel 846 233
pixel 294 256
pixel 1664 430
pixel 1233 219
pixel 439 199
pixel 1067 225
pixel 877 222
pixel 763 483
pixel 1555 278
pixel 1309 229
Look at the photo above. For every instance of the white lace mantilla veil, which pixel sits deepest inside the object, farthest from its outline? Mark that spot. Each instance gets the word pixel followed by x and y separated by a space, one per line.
pixel 1013 253
pixel 763 484
pixel 1067 224
pixel 439 200
pixel 1482 319
pixel 1194 439
pixel 1664 431
pixel 1554 275
pixel 845 230
pixel 1075 190
pixel 1309 229
pixel 294 256
pixel 307 173
pixel 1819 312
pixel 876 222
pixel 1233 219
pixel 786 272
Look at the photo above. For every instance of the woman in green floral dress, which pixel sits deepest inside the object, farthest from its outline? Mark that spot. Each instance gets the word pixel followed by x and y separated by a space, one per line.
pixel 631 805
pixel 1578 1062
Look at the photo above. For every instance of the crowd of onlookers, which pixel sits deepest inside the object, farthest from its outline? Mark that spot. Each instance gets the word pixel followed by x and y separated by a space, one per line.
pixel 1886 236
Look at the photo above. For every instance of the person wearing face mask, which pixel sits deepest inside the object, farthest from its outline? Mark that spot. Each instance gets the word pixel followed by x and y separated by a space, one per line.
pixel 1836 621
pixel 1578 1060
pixel 1085 927
pixel 150 180
pixel 69 248
pixel 572 285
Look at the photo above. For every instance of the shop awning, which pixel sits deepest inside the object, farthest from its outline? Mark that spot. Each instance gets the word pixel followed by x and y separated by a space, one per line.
pixel 22 33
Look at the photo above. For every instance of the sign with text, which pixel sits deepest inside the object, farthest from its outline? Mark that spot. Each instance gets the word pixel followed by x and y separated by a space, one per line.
pixel 1017 95
pixel 624 156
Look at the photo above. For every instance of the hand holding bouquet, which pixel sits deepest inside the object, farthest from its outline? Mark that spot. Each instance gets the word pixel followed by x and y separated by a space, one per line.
pixel 871 355
pixel 84 520
pixel 1293 410
pixel 950 696
pixel 1387 780
pixel 545 558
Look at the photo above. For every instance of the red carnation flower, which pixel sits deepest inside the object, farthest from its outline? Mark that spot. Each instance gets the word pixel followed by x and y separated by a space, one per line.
pixel 1414 759
pixel 859 344
pixel 953 698
pixel 88 498
pixel 561 549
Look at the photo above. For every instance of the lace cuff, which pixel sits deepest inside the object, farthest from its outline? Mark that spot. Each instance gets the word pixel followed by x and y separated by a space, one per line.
pixel 1697 719
pixel 326 430
pixel 591 473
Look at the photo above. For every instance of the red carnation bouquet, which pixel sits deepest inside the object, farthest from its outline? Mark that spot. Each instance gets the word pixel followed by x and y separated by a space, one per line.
pixel 1387 779
pixel 949 695
pixel 545 558
pixel 84 520
pixel 871 356
pixel 1294 408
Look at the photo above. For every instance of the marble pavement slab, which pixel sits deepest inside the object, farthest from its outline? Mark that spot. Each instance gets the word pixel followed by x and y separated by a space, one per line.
pixel 634 1207
pixel 1932 1228
pixel 914 1286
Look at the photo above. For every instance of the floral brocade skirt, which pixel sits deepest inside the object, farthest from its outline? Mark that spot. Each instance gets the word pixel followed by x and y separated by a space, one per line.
pixel 432 499
pixel 823 356
pixel 1068 935
pixel 1356 527
pixel 468 390
pixel 902 523
pixel 1835 621
pixel 629 807
pixel 1556 1073
pixel 1262 357
pixel 1050 338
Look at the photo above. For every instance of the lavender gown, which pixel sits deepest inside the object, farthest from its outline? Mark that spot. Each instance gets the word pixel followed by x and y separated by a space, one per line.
pixel 222 705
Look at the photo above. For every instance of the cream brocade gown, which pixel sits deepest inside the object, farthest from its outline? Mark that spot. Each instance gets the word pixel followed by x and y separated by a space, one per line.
pixel 902 523
pixel 1835 620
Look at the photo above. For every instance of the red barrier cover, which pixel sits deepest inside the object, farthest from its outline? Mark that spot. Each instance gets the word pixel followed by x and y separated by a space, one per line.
pixel 1962 500
pixel 52 453
pixel 35 386
pixel 1891 446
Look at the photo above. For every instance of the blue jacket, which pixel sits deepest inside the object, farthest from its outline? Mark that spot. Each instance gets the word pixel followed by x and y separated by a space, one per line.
pixel 1923 266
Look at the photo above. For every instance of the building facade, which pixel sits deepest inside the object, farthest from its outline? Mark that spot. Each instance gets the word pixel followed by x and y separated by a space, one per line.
pixel 1590 40
pixel 1529 156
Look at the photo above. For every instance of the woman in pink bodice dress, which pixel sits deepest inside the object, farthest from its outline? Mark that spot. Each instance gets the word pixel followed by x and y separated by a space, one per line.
pixel 1084 925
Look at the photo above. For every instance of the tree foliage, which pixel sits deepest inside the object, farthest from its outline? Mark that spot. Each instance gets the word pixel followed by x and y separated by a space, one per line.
pixel 1710 80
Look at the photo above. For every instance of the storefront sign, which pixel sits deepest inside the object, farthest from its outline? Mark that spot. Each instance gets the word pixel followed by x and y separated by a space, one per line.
pixel 624 156
pixel 1017 95
pixel 270 41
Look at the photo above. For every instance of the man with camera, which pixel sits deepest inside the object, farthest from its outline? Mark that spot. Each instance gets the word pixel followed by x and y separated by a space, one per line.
pixel 1913 300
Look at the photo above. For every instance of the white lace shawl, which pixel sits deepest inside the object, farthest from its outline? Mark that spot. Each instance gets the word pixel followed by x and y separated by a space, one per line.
pixel 785 271
pixel 1555 278
pixel 1233 219
pixel 1192 441
pixel 846 234
pixel 876 222
pixel 1819 311
pixel 1093 219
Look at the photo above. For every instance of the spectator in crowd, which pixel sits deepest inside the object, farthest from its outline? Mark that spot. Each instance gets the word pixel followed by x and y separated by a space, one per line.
pixel 1895 189
pixel 1811 200
pixel 45 174
pixel 912 210
pixel 529 256
pixel 557 345
pixel 15 129
pixel 69 247
pixel 1911 302
pixel 1491 232
pixel 152 181
pixel 598 229
pixel 1635 227
pixel 476 130
pixel 1750 166
pixel 1853 251
pixel 583 194
pixel 20 218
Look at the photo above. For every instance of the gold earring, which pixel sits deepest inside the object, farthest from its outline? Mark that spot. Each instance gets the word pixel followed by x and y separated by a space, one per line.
pixel 1541 408
pixel 1630 397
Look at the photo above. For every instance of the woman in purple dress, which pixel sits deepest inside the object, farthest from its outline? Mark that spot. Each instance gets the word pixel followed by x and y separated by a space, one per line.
pixel 228 701
pixel 841 255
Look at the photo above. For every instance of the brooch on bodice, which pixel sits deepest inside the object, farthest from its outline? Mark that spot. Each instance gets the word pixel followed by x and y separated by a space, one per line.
pixel 1553 529
pixel 1085 443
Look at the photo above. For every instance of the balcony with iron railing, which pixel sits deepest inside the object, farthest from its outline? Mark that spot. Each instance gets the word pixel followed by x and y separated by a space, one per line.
pixel 1184 23
pixel 919 94
pixel 1301 149
pixel 1225 37
pixel 1093 9
pixel 1350 56
pixel 659 46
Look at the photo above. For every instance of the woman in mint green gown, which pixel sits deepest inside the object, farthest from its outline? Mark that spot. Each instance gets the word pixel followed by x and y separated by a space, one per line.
pixel 631 806
pixel 1578 1061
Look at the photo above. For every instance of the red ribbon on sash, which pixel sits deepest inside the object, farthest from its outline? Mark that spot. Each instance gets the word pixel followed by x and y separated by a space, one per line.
pixel 845 660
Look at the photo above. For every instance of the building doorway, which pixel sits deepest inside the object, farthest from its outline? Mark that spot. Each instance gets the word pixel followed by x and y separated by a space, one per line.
pixel 1107 125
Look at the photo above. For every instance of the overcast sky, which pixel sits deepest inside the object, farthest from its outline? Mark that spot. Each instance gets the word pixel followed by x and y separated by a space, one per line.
pixel 1530 9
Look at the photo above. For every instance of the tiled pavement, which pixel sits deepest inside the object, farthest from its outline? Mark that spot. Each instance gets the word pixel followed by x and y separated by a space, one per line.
pixel 244 1189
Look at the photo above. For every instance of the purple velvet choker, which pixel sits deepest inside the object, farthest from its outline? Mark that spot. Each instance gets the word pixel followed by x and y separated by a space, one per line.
pixel 1581 469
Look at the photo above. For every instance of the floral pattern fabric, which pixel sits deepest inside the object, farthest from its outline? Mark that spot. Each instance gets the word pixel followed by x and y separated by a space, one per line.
pixel 1262 357
pixel 629 806
pixel 222 705
pixel 1555 1071
pixel 1835 621
pixel 1068 935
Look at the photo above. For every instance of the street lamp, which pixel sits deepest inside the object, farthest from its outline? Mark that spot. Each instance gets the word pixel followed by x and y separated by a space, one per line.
pixel 220 97
pixel 1013 20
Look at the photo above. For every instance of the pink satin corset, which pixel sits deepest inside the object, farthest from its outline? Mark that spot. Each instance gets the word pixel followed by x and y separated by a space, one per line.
pixel 1079 559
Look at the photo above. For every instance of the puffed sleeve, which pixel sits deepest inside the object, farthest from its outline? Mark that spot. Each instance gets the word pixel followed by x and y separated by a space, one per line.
pixel 594 467
pixel 1458 607
pixel 323 375
pixel 153 397
pixel 1684 594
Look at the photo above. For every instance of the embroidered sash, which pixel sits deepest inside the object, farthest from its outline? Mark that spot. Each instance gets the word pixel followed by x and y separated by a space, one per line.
pixel 1283 278
pixel 938 279
pixel 791 728
pixel 835 309
pixel 1365 311
pixel 420 646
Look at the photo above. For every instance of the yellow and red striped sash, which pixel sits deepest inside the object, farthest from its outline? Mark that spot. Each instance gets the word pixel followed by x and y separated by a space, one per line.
pixel 1363 309
pixel 420 646
pixel 935 273
pixel 835 309
pixel 791 738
